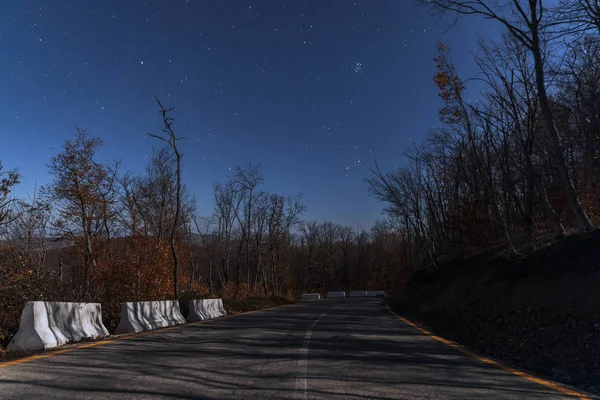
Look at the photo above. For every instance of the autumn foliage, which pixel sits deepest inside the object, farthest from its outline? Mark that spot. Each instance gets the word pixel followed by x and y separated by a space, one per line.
pixel 96 234
pixel 486 178
pixel 450 85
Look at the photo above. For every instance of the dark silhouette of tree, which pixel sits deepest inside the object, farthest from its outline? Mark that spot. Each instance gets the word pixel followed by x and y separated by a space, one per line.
pixel 168 136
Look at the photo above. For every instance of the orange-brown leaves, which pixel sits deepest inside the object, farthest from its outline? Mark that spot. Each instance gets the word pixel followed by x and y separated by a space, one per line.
pixel 241 292
pixel 450 87
pixel 7 181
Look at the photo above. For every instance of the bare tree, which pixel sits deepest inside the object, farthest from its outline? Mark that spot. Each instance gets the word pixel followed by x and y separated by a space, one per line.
pixel 578 15
pixel 168 136
pixel 228 199
pixel 310 234
pixel 247 180
pixel 282 217
pixel 512 109
pixel 260 229
pixel 131 217
pixel 525 20
pixel 346 236
pixel 8 179
pixel 28 234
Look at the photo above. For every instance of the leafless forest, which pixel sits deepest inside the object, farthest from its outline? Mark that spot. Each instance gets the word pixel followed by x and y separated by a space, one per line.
pixel 518 165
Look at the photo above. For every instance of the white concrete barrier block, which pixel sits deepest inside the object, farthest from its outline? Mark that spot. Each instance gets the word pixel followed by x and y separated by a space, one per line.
pixel 358 293
pixel 204 309
pixel 336 294
pixel 311 296
pixel 148 315
pixel 46 324
pixel 375 293
pixel 221 308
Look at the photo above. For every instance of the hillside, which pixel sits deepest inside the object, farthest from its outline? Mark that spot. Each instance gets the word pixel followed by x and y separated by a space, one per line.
pixel 540 312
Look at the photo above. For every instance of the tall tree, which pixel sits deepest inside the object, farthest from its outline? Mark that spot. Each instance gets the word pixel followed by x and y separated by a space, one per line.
pixel 578 15
pixel 28 234
pixel 512 109
pixel 526 21
pixel 168 136
pixel 247 180
pixel 8 179
pixel 80 191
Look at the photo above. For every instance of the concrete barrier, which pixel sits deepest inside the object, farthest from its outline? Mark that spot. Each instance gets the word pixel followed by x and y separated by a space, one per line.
pixel 311 296
pixel 375 293
pixel 147 315
pixel 46 324
pixel 204 309
pixel 336 294
pixel 358 293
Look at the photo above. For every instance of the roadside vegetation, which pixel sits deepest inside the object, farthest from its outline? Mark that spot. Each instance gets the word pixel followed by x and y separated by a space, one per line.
pixel 501 204
pixel 100 234
pixel 489 221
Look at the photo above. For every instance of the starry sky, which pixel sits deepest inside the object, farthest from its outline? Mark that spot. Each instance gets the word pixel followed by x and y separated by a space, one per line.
pixel 312 90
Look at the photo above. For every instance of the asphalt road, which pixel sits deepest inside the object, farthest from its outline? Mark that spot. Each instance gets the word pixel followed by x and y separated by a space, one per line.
pixel 327 349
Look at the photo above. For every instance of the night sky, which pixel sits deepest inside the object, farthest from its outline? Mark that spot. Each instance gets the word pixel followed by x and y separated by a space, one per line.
pixel 314 91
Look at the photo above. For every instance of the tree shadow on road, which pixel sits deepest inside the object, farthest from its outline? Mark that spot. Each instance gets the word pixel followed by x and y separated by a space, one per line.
pixel 357 351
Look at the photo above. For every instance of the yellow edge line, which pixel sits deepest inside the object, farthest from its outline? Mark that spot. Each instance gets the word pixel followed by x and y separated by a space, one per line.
pixel 133 335
pixel 486 360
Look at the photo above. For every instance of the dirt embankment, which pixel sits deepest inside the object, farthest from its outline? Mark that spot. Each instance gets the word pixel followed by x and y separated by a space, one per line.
pixel 540 312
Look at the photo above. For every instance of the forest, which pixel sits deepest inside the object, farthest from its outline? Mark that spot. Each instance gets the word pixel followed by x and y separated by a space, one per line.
pixel 518 166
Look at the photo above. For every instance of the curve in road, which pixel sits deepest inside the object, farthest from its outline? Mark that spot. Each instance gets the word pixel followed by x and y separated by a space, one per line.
pixel 326 349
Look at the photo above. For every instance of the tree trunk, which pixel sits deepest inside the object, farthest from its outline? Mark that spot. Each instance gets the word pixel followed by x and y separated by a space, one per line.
pixel 560 230
pixel 176 222
pixel 558 151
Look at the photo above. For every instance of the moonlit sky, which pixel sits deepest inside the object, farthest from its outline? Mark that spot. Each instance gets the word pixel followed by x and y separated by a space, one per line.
pixel 312 90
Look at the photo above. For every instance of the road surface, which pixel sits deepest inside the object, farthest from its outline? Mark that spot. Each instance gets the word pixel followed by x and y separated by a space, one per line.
pixel 325 349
